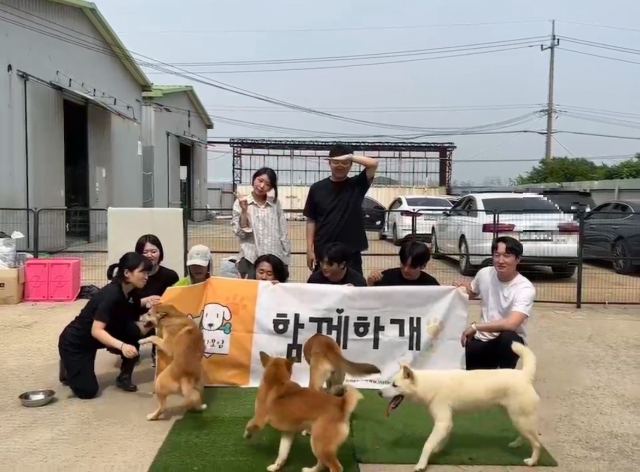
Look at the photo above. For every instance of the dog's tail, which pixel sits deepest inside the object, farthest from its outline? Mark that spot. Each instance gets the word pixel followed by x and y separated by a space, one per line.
pixel 350 400
pixel 528 360
pixel 357 369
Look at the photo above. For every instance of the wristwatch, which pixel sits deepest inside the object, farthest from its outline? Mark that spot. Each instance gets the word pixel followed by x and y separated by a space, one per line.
pixel 474 327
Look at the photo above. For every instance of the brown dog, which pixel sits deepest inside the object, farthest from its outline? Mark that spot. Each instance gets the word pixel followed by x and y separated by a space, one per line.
pixel 183 343
pixel 327 364
pixel 290 408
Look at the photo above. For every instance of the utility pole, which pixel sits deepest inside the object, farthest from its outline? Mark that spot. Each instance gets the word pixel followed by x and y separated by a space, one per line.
pixel 550 107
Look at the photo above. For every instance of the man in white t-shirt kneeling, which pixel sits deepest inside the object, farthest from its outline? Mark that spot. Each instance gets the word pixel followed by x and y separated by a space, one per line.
pixel 506 298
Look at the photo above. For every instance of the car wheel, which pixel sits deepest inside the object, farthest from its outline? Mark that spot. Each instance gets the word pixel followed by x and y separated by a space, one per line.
pixel 396 241
pixel 435 252
pixel 563 272
pixel 465 262
pixel 620 257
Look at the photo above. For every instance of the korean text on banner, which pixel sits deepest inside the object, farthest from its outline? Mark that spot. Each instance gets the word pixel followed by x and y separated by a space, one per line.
pixel 381 326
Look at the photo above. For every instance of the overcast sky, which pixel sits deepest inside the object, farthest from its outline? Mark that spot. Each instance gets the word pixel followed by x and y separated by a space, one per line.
pixel 455 92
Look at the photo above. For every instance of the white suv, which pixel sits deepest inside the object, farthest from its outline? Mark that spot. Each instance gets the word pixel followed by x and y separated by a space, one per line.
pixel 465 233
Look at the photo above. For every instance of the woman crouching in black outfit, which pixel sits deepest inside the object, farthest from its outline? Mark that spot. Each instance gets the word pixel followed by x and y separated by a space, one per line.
pixel 106 321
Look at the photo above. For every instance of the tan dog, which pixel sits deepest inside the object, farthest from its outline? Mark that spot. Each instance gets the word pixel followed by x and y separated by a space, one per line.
pixel 183 343
pixel 290 408
pixel 327 364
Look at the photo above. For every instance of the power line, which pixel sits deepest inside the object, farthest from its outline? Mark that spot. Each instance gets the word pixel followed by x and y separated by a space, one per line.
pixel 158 65
pixel 201 79
pixel 438 131
pixel 368 64
pixel 317 30
pixel 390 109
pixel 377 55
pixel 600 111
pixel 619 28
pixel 600 56
pixel 597 44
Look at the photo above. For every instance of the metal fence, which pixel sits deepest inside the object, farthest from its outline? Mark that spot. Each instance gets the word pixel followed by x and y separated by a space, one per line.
pixel 576 259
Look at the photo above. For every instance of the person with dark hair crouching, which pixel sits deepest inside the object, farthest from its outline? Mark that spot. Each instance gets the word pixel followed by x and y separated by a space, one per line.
pixel 334 268
pixel 413 261
pixel 106 321
pixel 506 298
pixel 271 268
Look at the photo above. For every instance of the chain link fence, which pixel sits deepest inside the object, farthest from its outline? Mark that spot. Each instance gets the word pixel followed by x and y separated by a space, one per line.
pixel 570 258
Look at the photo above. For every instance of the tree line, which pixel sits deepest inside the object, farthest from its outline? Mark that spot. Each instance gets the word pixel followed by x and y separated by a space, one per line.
pixel 579 169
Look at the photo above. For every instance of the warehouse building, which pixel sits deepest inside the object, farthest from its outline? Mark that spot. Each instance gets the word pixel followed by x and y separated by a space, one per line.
pixel 71 106
pixel 174 147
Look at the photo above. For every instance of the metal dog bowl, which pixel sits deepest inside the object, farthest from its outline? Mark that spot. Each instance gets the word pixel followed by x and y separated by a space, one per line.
pixel 35 398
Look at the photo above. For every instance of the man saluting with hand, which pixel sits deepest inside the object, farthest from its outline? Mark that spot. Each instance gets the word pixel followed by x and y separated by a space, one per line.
pixel 334 207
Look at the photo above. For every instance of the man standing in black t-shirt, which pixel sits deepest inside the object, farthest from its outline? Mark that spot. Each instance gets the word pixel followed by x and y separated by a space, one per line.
pixel 334 207
pixel 413 260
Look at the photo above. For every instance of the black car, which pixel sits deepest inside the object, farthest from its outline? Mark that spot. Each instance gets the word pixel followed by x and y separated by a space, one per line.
pixel 374 214
pixel 612 233
pixel 569 200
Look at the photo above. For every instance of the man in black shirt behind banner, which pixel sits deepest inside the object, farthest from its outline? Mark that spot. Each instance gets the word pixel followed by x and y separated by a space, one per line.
pixel 414 256
pixel 334 207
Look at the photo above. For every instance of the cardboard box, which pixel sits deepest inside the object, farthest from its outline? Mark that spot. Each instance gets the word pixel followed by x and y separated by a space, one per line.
pixel 11 286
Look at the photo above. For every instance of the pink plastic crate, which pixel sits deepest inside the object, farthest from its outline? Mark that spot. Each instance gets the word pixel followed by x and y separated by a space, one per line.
pixel 55 280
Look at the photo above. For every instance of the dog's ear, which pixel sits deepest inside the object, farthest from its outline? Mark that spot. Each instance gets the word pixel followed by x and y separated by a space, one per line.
pixel 407 373
pixel 264 358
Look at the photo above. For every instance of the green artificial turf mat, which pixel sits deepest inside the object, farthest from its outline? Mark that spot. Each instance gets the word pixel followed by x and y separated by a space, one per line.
pixel 212 440
pixel 476 439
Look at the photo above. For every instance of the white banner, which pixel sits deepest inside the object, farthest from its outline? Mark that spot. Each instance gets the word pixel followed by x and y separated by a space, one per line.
pixel 377 325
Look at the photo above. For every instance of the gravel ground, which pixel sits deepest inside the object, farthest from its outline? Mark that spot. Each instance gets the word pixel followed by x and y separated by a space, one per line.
pixel 588 378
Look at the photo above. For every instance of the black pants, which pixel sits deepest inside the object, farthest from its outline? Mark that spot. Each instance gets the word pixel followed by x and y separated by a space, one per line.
pixel 354 263
pixel 493 354
pixel 78 357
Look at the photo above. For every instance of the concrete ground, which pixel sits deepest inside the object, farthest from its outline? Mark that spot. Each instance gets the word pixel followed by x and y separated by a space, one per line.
pixel 588 378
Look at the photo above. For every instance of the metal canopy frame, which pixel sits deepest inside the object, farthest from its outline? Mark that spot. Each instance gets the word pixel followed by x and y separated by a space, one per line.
pixel 401 152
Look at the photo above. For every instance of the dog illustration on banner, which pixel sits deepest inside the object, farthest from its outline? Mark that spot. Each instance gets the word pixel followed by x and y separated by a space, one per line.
pixel 215 324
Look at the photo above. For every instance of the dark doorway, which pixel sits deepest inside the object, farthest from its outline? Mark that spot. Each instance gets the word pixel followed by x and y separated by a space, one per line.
pixel 76 167
pixel 186 180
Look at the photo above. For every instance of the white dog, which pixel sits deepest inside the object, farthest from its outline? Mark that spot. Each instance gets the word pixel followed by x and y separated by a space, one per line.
pixel 444 392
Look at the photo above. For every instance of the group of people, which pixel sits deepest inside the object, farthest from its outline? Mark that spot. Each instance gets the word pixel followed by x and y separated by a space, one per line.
pixel 111 317
pixel 335 237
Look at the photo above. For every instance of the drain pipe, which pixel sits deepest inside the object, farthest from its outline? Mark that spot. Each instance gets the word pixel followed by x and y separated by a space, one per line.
pixel 26 154
pixel 168 173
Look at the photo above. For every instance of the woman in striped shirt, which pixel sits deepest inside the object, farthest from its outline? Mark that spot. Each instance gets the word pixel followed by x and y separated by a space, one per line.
pixel 259 222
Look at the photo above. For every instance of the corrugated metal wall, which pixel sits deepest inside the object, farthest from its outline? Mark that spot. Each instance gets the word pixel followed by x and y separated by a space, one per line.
pixel 50 60
pixel 126 164
pixel 221 197
pixel 46 162
pixel 166 152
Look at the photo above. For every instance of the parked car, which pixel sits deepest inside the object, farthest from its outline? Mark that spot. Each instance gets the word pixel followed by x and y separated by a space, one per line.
pixel 402 211
pixel 570 201
pixel 453 199
pixel 612 232
pixel 373 212
pixel 465 233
